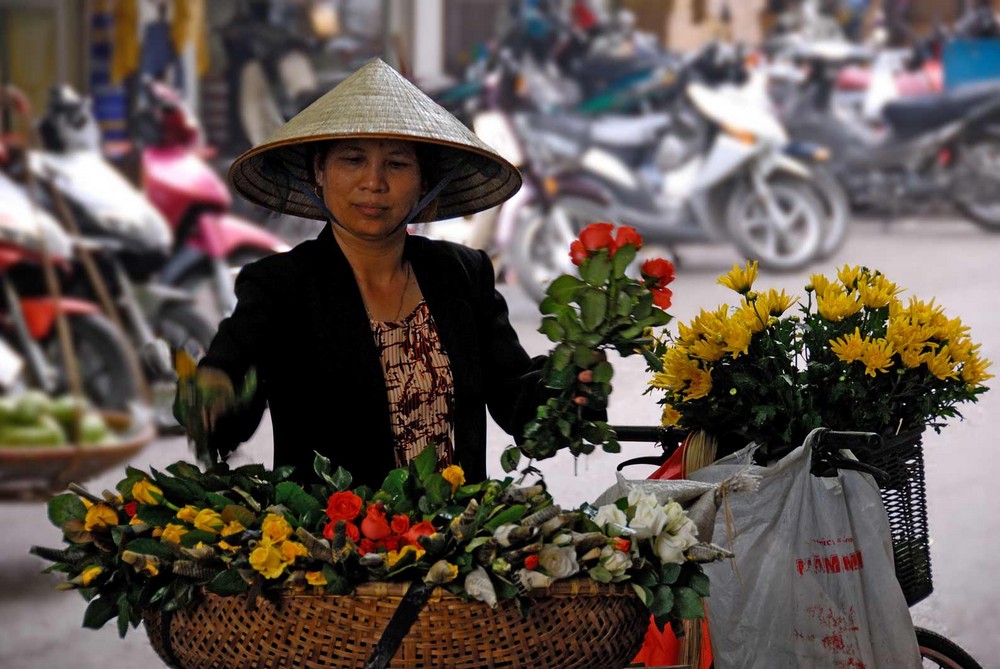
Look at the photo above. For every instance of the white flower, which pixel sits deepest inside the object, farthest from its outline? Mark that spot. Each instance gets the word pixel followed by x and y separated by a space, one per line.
pixel 609 513
pixel 637 497
pixel 675 516
pixel 649 518
pixel 669 548
pixel 615 561
pixel 688 533
pixel 558 562
pixel 532 579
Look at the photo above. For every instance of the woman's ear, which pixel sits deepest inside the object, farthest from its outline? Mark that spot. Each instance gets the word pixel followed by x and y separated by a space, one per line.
pixel 317 166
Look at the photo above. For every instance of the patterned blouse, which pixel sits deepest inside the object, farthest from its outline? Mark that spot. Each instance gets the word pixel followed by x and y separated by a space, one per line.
pixel 419 384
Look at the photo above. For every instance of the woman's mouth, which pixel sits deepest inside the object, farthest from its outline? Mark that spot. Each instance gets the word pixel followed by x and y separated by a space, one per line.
pixel 371 209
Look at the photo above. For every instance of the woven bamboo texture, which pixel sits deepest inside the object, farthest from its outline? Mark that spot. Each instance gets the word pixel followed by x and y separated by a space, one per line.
pixel 576 624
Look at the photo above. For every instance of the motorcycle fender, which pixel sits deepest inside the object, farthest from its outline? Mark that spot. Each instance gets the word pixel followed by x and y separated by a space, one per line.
pixel 40 312
pixel 726 156
pixel 180 263
pixel 219 234
pixel 782 163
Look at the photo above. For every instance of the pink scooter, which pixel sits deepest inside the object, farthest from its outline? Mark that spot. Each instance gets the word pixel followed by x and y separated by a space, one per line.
pixel 211 244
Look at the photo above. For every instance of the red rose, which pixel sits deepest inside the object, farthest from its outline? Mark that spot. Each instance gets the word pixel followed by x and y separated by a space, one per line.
pixel 621 544
pixel 531 562
pixel 352 533
pixel 658 272
pixel 597 236
pixel 131 508
pixel 350 529
pixel 366 546
pixel 662 297
pixel 628 235
pixel 400 524
pixel 374 526
pixel 392 542
pixel 422 529
pixel 577 252
pixel 343 506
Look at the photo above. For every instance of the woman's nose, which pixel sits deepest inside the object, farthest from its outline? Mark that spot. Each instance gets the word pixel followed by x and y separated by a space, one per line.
pixel 373 177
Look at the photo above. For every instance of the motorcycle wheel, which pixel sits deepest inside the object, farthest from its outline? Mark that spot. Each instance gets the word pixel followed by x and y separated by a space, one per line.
pixel 182 328
pixel 979 198
pixel 107 376
pixel 780 247
pixel 837 209
pixel 541 239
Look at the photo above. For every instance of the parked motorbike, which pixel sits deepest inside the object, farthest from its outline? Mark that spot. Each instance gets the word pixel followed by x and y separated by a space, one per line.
pixel 211 244
pixel 30 353
pixel 126 237
pixel 935 148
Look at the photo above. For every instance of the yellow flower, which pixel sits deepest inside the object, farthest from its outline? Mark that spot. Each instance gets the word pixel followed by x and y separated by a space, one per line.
pixel 441 572
pixel 268 559
pixel 701 385
pixel 188 514
pixel 150 568
pixel 709 350
pixel 392 557
pixel 315 578
pixel 820 283
pixel 740 279
pixel 774 303
pixel 173 533
pixel 100 515
pixel 940 364
pixel 876 356
pixel 293 549
pixel 136 521
pixel 849 276
pixel 877 292
pixel 849 347
pixel 671 416
pixel 974 371
pixel 88 575
pixel 276 528
pixel 835 305
pixel 737 333
pixel 751 317
pixel 208 520
pixel 86 502
pixel 454 475
pixel 234 527
pixel 145 492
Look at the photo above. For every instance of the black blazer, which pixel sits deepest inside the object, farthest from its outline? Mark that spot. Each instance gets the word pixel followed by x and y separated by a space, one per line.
pixel 301 322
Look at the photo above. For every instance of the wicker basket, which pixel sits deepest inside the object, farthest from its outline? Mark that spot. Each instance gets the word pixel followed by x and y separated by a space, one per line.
pixel 576 623
pixel 34 473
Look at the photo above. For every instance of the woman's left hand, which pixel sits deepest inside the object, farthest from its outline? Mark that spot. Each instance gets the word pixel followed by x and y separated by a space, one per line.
pixel 586 377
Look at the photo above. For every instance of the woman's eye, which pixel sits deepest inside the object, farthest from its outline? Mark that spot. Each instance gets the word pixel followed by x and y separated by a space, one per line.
pixel 399 165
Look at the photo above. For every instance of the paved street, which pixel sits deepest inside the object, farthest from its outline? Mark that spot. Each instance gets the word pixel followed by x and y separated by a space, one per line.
pixel 947 259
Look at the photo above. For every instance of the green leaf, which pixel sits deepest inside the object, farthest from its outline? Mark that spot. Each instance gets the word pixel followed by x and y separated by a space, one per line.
pixel 426 462
pixel 687 604
pixel 584 357
pixel 100 611
pixel 699 583
pixel 663 601
pixel 395 482
pixel 601 574
pixel 597 270
pixel 653 362
pixel 150 547
pixel 65 507
pixel 298 501
pixel 643 306
pixel 157 516
pixel 123 615
pixel 593 308
pixel 510 458
pixel 551 329
pixel 645 594
pixel 623 258
pixel 476 543
pixel 623 305
pixel 511 514
pixel 240 514
pixel 191 539
pixel 184 470
pixel 603 372
pixel 228 582
pixel 438 490
pixel 549 306
pixel 669 573
pixel 563 289
pixel 657 318
pixel 561 357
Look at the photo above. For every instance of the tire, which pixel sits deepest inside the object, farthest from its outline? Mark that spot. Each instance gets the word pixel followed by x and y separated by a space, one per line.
pixel 837 207
pixel 938 651
pixel 978 184
pixel 755 234
pixel 541 239
pixel 107 375
pixel 181 327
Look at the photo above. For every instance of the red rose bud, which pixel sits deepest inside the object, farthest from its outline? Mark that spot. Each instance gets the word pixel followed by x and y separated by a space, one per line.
pixel 531 562
pixel 353 533
pixel 577 252
pixel 620 544
pixel 662 297
pixel 131 508
pixel 597 236
pixel 400 524
pixel 628 236
pixel 658 272
pixel 374 526
pixel 343 506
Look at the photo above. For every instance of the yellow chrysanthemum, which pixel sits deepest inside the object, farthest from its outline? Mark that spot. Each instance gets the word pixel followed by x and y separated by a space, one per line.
pixel 88 575
pixel 145 492
pixel 188 514
pixel 877 292
pixel 267 559
pixel 774 303
pixel 701 385
pixel 820 283
pixel 877 356
pixel 276 528
pixel 710 350
pixel 740 279
pixel 209 520
pixel 173 533
pixel 293 549
pixel 835 305
pixel 738 332
pixel 98 516
pixel 392 557
pixel 455 476
pixel 676 371
pixel 940 364
pixel 849 276
pixel 670 416
pixel 974 371
pixel 315 578
pixel 849 347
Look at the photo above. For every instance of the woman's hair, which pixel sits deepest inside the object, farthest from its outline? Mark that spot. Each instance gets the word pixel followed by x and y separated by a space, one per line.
pixel 428 159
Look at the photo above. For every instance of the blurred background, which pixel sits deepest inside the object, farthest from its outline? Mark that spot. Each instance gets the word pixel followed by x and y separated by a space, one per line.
pixel 802 134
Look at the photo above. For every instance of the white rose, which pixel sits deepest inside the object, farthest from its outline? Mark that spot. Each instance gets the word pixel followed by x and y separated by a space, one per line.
pixel 675 516
pixel 638 497
pixel 558 562
pixel 669 548
pixel 615 561
pixel 687 533
pixel 610 514
pixel 649 519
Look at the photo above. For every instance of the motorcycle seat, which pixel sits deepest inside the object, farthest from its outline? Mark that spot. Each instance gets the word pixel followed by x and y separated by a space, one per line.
pixel 628 131
pixel 911 116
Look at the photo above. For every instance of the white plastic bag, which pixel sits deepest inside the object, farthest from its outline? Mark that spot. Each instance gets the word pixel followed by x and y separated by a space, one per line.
pixel 813 584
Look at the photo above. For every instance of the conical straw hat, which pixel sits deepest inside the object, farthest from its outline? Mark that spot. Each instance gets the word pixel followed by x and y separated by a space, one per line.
pixel 374 102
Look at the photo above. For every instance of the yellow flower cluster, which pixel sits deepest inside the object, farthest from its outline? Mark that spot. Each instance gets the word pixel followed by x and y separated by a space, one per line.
pixel 276 551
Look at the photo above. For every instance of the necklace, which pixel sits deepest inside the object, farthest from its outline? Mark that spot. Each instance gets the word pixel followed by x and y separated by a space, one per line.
pixel 402 296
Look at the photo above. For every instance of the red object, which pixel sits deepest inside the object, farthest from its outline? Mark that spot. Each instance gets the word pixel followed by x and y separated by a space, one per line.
pixel 343 506
pixel 628 235
pixel 577 252
pixel 375 526
pixel 597 236
pixel 531 562
pixel 658 272
pixel 40 312
pixel 422 529
pixel 662 297
pixel 583 16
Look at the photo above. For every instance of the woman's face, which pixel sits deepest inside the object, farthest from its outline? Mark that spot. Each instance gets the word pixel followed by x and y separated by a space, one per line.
pixel 370 185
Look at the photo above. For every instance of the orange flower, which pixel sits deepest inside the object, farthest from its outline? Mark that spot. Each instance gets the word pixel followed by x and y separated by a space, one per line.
pixel 422 529
pixel 374 526
pixel 597 236
pixel 531 562
pixel 400 524
pixel 343 506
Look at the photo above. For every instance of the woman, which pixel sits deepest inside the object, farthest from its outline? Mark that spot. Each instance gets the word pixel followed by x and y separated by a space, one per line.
pixel 369 343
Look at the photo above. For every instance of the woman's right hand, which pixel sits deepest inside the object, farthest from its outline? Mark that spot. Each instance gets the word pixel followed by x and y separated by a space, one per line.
pixel 217 395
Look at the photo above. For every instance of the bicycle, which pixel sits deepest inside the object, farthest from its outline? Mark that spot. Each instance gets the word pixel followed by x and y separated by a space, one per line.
pixel 935 649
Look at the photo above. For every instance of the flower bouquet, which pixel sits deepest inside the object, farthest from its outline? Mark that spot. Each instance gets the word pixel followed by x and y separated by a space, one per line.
pixel 226 565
